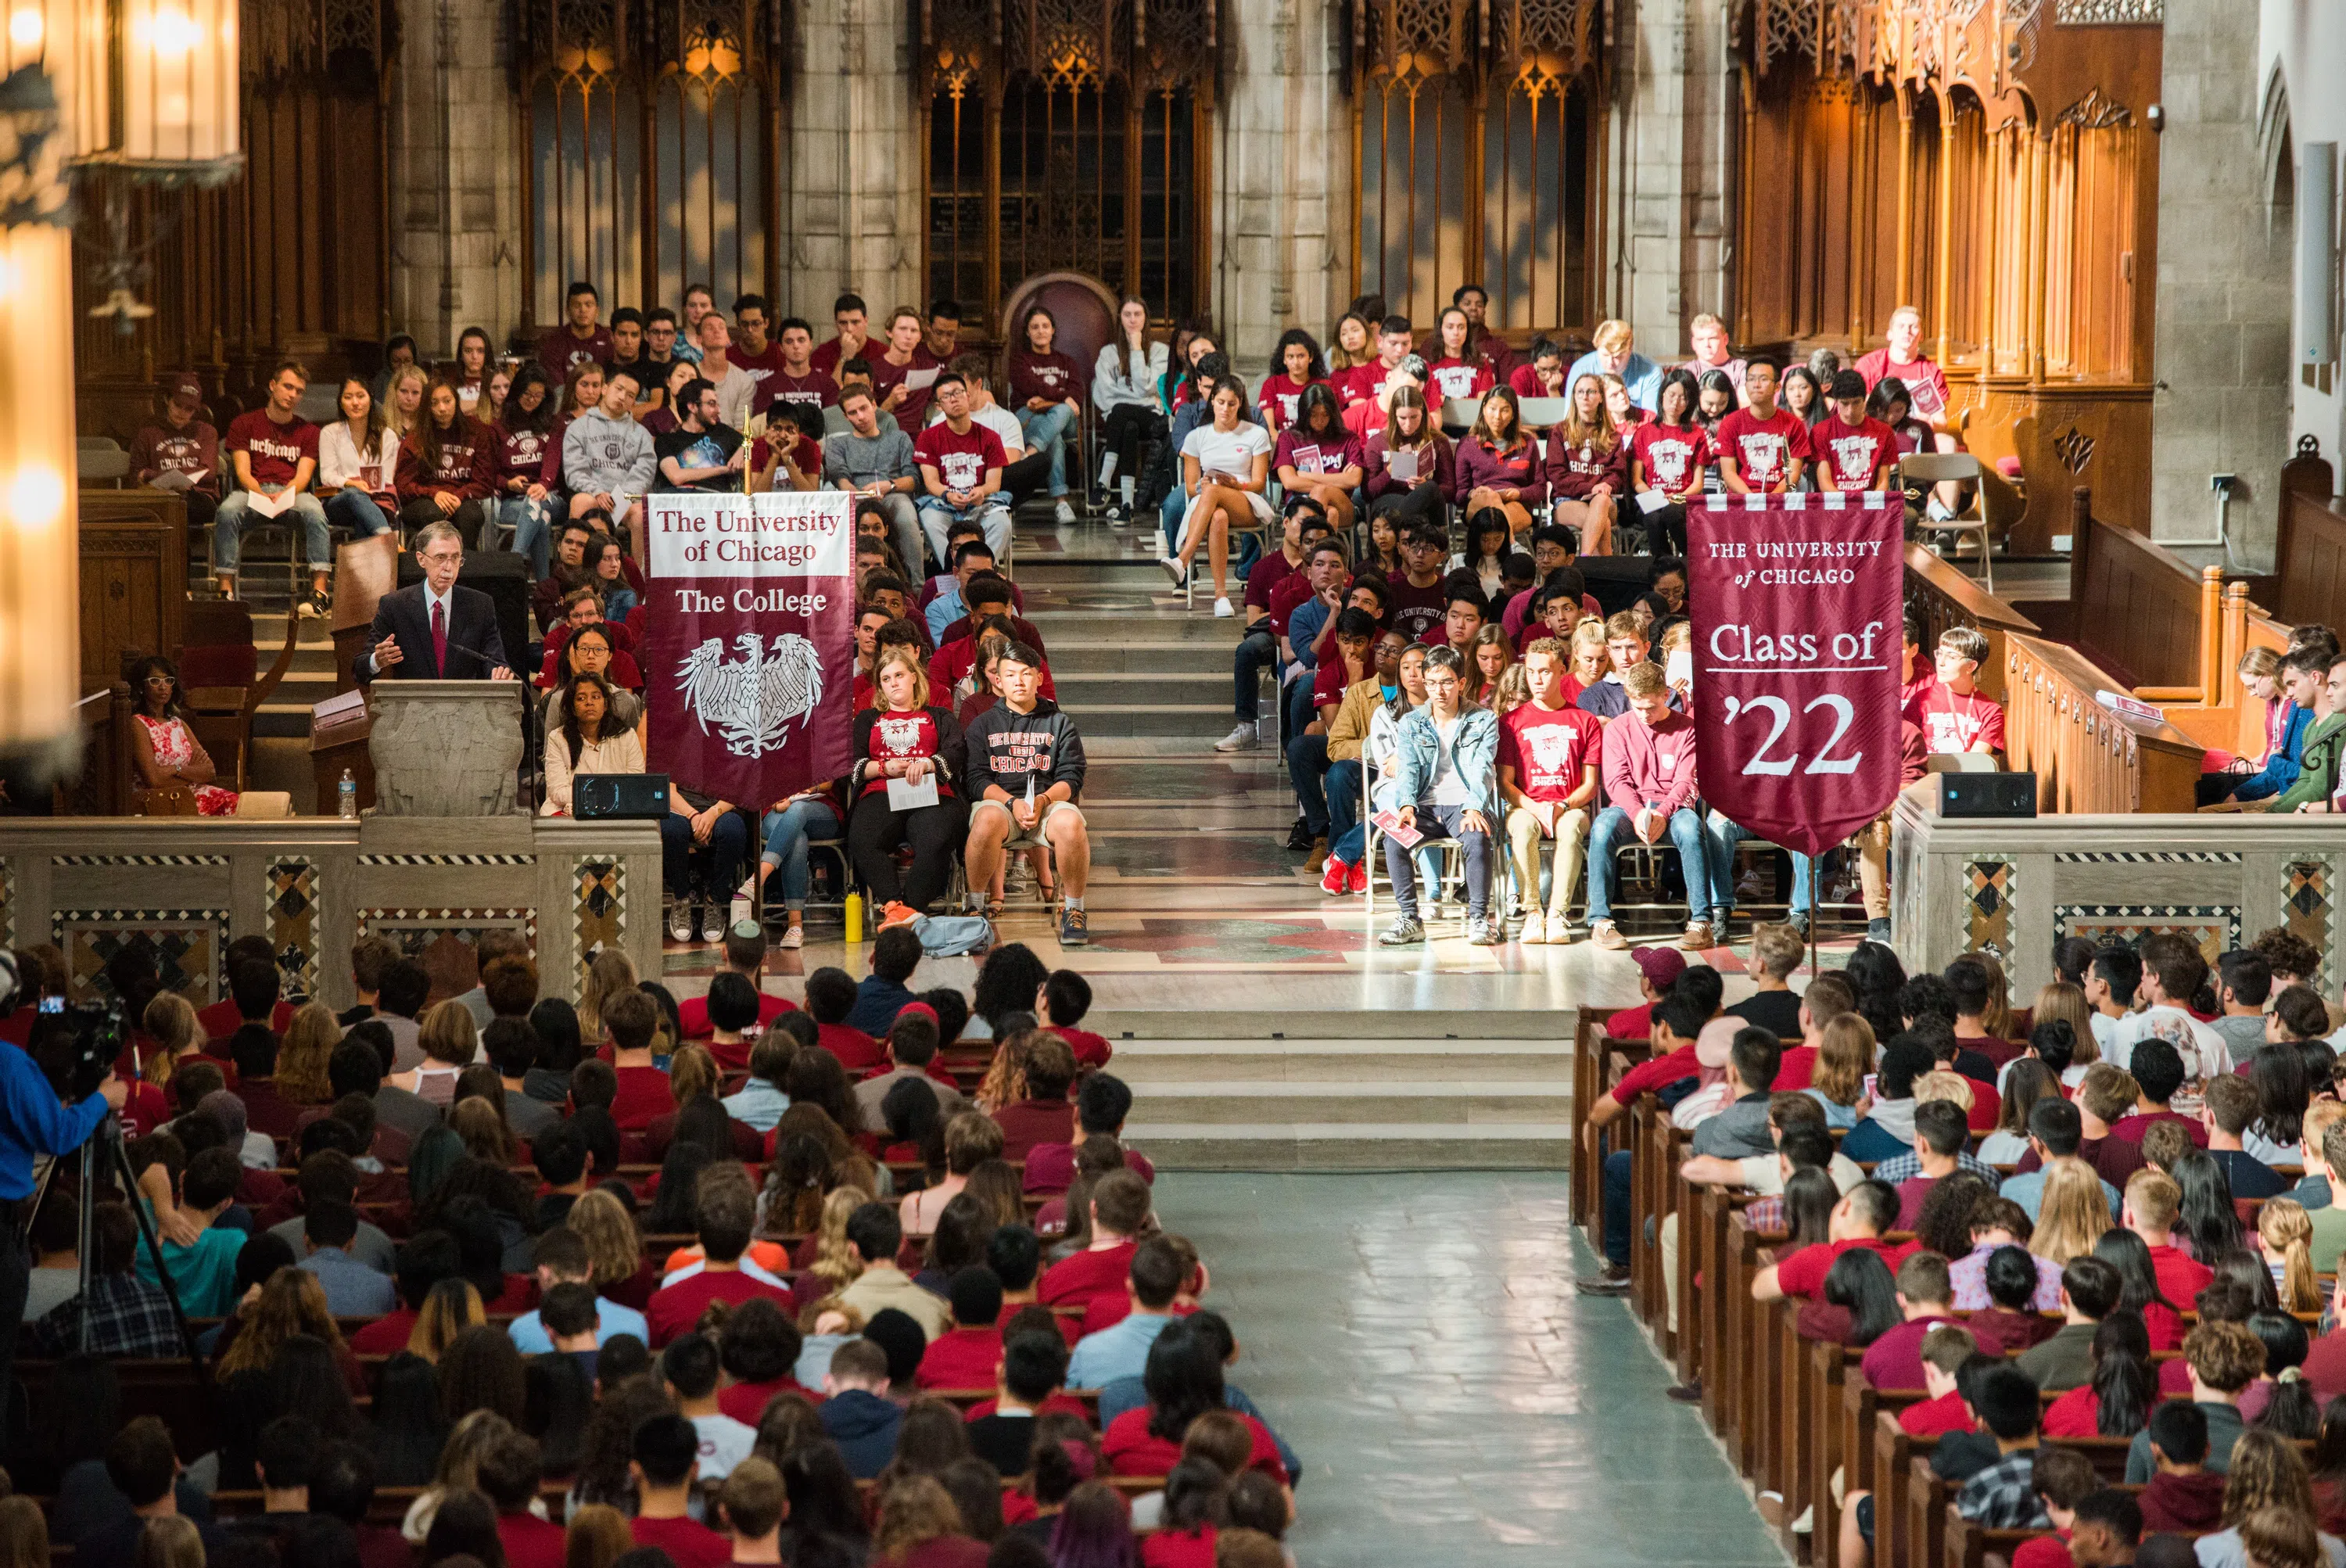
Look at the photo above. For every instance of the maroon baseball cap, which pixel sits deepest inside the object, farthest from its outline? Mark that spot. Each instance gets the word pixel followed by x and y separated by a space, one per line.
pixel 1661 966
pixel 187 390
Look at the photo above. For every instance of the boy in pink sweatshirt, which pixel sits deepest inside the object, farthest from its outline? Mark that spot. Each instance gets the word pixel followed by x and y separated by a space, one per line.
pixel 1649 786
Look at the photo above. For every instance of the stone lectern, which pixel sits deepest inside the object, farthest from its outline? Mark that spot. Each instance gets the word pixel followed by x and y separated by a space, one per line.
pixel 446 748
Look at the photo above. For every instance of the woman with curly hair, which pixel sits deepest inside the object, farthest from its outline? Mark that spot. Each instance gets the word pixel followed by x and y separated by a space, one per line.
pixel 612 972
pixel 615 1247
pixel 291 1301
pixel 608 1447
pixel 1007 984
pixel 301 1079
pixel 791 1202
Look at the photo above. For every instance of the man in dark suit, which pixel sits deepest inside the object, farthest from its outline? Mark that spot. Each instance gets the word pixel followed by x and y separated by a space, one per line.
pixel 434 630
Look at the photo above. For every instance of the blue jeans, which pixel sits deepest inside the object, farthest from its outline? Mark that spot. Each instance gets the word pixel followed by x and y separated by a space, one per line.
pixel 1443 822
pixel 1724 835
pixel 1614 829
pixel 1046 430
pixel 1615 1185
pixel 992 515
pixel 360 515
pixel 1307 766
pixel 727 847
pixel 786 832
pixel 532 525
pixel 1342 791
pixel 1256 649
pixel 229 525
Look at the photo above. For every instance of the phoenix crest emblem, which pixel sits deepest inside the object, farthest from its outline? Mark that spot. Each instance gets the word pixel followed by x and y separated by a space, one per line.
pixel 752 700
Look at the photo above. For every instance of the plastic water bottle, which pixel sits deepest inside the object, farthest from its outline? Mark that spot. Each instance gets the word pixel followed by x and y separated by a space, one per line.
pixel 347 797
pixel 854 915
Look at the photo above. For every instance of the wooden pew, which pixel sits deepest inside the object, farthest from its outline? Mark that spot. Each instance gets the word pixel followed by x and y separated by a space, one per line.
pixel 2084 759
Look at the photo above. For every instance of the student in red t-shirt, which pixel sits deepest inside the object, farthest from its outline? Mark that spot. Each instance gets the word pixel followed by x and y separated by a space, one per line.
pixel 830 998
pixel 631 1019
pixel 1541 373
pixel 1549 751
pixel 666 1459
pixel 508 1474
pixel 1044 1116
pixel 1950 712
pixel 1854 452
pixel 1865 1213
pixel 1294 366
pixel 1667 458
pixel 745 955
pixel 1456 370
pixel 1761 447
pixel 966 1355
pixel 2152 1202
pixel 726 1212
pixel 1183 1381
pixel 1587 467
pixel 1044 387
pixel 960 464
pixel 1061 1003
pixel 1944 1348
pixel 1119 1209
pixel 273 452
pixel 1316 457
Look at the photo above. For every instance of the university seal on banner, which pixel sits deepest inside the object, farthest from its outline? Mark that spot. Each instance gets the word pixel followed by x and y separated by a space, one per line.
pixel 752 700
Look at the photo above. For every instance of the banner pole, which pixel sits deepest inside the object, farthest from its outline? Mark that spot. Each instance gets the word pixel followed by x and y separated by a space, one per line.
pixel 1812 917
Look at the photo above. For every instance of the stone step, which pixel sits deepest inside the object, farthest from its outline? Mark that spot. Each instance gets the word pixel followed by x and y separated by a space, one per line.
pixel 1354 1145
pixel 1152 657
pixel 1122 570
pixel 1227 1100
pixel 1202 721
pixel 1094 688
pixel 1139 622
pixel 1244 1064
pixel 1242 1029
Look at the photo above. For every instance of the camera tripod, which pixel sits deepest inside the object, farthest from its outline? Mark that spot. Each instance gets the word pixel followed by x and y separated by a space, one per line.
pixel 106 1143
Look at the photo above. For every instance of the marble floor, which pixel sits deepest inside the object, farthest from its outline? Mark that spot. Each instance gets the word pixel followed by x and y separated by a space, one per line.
pixel 1416 1340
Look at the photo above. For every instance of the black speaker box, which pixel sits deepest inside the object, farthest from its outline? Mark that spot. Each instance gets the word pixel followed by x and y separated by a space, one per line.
pixel 504 577
pixel 607 795
pixel 1987 794
pixel 1614 582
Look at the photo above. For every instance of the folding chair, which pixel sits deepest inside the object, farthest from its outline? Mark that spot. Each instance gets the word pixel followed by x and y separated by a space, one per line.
pixel 1190 581
pixel 1452 861
pixel 1930 468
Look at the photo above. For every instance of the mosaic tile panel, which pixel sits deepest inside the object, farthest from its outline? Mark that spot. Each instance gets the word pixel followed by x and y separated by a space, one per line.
pixel 2307 899
pixel 289 908
pixel 2214 928
pixel 188 945
pixel 599 907
pixel 442 940
pixel 1989 919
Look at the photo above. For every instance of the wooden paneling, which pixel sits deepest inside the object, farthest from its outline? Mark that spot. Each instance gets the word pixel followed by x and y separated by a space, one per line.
pixel 1946 597
pixel 134 579
pixel 2309 555
pixel 2140 611
pixel 2084 759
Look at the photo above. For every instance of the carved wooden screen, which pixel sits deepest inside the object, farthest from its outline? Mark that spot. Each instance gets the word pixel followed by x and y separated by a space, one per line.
pixel 1065 135
pixel 2089 305
pixel 293 257
pixel 653 142
pixel 1475 145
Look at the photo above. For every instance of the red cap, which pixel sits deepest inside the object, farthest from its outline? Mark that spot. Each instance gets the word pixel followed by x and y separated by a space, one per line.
pixel 1661 966
pixel 185 389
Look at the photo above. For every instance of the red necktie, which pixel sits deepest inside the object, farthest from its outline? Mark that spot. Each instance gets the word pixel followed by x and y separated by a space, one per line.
pixel 439 636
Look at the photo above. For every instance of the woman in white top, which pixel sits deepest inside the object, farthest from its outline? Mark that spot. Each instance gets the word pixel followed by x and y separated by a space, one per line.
pixel 450 1042
pixel 577 742
pixel 1224 467
pixel 357 456
pixel 1124 390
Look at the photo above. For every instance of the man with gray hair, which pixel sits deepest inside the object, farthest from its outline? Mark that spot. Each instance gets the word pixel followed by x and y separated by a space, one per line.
pixel 434 630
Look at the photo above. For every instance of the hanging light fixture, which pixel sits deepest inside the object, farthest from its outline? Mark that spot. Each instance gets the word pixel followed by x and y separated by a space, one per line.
pixel 176 117
pixel 66 39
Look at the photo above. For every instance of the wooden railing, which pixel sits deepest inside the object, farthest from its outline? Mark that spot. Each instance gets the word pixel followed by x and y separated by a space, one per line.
pixel 1945 597
pixel 2141 613
pixel 102 788
pixel 2086 758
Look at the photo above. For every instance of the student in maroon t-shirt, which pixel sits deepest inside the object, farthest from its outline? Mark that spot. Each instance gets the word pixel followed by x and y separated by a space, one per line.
pixel 745 955
pixel 830 998
pixel 960 462
pixel 1548 755
pixel 1895 1359
pixel 795 378
pixel 965 1355
pixel 631 1018
pixel 1061 1004
pixel 1854 452
pixel 751 348
pixel 1044 1116
pixel 1951 713
pixel 1761 447
pixel 1587 467
pixel 667 1458
pixel 1668 457
pixel 448 469
pixel 1421 596
pixel 892 367
pixel 1120 1206
pixel 1043 389
pixel 274 452
pixel 850 320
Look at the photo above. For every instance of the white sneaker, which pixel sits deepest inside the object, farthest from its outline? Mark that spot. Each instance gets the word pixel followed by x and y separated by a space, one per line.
pixel 1241 738
pixel 1534 931
pixel 1175 570
pixel 792 937
pixel 1222 610
pixel 1064 513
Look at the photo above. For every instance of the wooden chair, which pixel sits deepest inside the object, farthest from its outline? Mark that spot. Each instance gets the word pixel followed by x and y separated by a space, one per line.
pixel 220 669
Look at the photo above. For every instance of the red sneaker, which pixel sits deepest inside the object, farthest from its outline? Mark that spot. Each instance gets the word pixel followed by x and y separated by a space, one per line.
pixel 1333 881
pixel 1360 883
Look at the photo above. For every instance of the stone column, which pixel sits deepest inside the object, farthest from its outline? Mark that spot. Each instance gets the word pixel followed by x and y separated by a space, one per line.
pixel 2223 309
pixel 851 213
pixel 455 188
pixel 1282 163
pixel 1670 150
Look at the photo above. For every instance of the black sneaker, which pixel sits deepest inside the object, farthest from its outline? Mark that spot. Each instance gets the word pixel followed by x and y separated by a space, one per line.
pixel 1612 1282
pixel 317 606
pixel 1075 929
pixel 1685 1393
pixel 1300 838
pixel 1877 931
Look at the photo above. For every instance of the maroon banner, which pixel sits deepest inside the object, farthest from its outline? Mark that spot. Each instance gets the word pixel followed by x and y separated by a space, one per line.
pixel 750 641
pixel 1796 606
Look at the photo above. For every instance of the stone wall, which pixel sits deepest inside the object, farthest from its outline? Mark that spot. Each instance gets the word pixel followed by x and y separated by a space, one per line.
pixel 2222 354
pixel 1669 219
pixel 455 220
pixel 1282 156
pixel 851 205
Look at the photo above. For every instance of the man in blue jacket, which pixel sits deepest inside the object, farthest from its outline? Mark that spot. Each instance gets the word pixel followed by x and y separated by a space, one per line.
pixel 1445 768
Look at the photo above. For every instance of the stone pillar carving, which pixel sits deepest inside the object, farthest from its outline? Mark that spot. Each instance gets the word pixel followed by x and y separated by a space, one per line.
pixel 446 748
pixel 1283 158
pixel 2223 309
pixel 1671 156
pixel 852 141
pixel 455 190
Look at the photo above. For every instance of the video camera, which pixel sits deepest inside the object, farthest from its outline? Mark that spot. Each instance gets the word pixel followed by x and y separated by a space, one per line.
pixel 96 1031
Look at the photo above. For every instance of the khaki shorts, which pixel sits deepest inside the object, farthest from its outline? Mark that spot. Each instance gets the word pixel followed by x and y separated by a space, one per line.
pixel 1029 839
